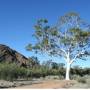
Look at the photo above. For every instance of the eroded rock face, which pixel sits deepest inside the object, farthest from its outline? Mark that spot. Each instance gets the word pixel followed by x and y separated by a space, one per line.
pixel 9 55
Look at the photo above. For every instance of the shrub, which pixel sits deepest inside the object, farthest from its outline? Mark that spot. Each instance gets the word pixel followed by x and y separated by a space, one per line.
pixel 8 71
pixel 75 77
pixel 11 71
pixel 29 73
pixel 61 77
pixel 21 72
pixel 81 80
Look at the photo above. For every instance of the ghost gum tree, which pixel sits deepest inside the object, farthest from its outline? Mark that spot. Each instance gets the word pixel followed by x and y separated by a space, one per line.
pixel 69 38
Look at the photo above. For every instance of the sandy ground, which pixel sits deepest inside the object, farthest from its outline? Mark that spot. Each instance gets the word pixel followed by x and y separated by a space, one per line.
pixel 48 84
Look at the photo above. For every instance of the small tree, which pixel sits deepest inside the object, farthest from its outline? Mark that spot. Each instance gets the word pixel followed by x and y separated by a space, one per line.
pixel 69 39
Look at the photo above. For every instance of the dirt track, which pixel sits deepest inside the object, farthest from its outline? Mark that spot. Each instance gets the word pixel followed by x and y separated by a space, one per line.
pixel 51 84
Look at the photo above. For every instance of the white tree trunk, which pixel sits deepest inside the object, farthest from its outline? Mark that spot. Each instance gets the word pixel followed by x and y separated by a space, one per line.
pixel 68 71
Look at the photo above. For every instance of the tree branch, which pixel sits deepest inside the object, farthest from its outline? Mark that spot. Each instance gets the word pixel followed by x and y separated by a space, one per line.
pixel 77 55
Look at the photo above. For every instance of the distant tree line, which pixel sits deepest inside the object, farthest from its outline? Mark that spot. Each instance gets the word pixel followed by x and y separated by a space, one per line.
pixel 12 71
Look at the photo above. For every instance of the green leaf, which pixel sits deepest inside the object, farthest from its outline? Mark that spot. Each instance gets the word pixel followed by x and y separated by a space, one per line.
pixel 37 27
pixel 29 47
pixel 54 31
pixel 37 46
pixel 45 41
pixel 39 33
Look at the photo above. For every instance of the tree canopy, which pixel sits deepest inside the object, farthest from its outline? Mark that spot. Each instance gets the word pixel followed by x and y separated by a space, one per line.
pixel 69 38
pixel 70 34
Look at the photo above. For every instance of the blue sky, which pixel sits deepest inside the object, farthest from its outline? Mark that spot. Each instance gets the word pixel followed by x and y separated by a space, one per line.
pixel 17 18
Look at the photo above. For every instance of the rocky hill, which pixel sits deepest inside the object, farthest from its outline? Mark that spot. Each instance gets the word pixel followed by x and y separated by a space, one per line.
pixel 9 55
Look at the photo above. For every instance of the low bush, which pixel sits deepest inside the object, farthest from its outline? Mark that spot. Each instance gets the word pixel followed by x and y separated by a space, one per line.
pixel 61 77
pixel 81 80
pixel 75 77
pixel 11 71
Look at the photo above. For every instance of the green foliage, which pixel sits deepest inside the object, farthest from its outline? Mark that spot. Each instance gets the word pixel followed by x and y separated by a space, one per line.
pixel 61 77
pixel 39 33
pixel 53 31
pixel 81 80
pixel 29 47
pixel 54 65
pixel 45 41
pixel 36 72
pixel 79 34
pixel 75 77
pixel 69 35
pixel 11 71
pixel 33 62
